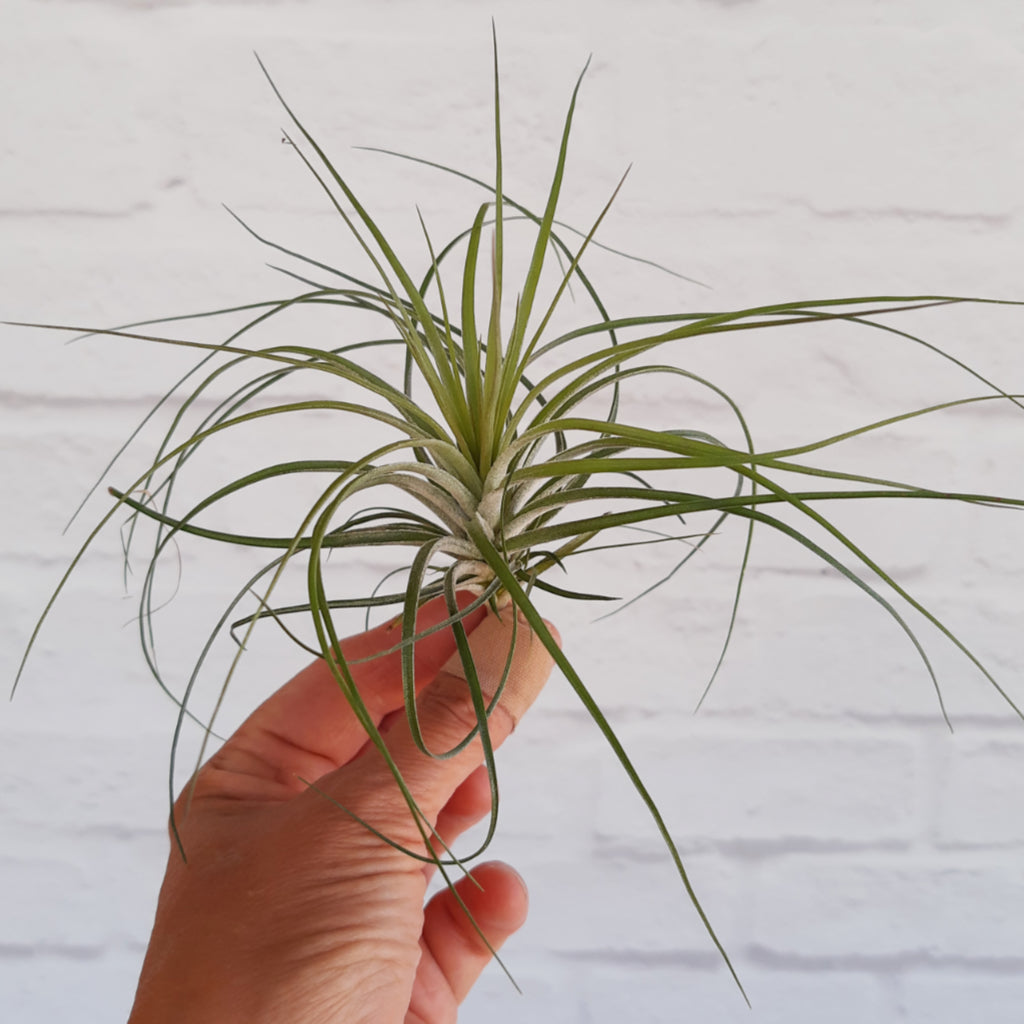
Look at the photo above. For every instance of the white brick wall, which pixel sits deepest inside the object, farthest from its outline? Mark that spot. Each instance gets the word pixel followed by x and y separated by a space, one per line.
pixel 859 862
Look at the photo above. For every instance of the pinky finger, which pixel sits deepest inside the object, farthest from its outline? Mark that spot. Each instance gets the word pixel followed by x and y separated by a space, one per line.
pixel 454 951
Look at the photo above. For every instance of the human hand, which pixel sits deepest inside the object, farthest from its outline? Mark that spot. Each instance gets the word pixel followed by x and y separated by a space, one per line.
pixel 288 909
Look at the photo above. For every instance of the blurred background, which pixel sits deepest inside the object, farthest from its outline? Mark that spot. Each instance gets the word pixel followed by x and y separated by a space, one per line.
pixel 859 862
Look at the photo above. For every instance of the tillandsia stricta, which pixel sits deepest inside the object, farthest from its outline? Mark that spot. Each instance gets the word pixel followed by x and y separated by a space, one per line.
pixel 503 475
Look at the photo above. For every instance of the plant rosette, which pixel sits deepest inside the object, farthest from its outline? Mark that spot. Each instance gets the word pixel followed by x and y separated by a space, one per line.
pixel 503 447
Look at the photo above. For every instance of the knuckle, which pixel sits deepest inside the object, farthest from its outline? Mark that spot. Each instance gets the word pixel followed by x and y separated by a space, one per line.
pixel 448 716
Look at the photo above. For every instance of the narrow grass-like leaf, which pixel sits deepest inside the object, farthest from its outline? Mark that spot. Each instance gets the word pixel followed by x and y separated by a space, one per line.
pixel 496 472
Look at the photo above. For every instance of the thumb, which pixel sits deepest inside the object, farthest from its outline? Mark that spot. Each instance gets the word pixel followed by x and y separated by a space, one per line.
pixel 446 713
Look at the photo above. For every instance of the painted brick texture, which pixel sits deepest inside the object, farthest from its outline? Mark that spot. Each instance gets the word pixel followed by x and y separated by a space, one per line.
pixel 859 861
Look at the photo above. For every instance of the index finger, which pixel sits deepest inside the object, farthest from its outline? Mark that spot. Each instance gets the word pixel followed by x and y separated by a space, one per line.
pixel 309 722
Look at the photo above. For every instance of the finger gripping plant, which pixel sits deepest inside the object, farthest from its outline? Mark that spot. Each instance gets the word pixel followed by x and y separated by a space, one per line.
pixel 506 473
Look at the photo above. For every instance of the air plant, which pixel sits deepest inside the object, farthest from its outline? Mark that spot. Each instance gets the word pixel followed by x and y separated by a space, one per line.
pixel 506 458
